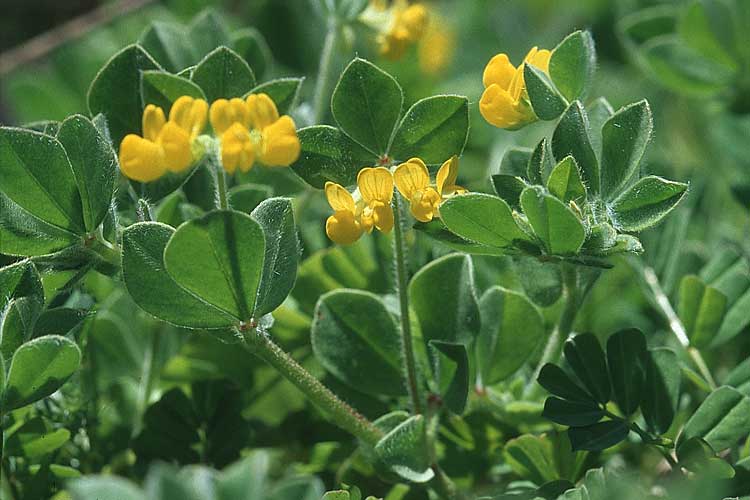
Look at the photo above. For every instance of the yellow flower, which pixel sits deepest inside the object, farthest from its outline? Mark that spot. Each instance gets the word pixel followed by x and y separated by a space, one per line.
pixel 372 210
pixel 413 182
pixel 166 145
pixel 504 102
pixel 342 227
pixel 408 24
pixel 252 128
pixel 436 46
pixel 376 187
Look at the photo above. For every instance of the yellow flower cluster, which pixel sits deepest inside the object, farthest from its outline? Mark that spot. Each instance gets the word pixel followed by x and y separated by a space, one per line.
pixel 372 210
pixel 166 145
pixel 248 129
pixel 405 25
pixel 504 102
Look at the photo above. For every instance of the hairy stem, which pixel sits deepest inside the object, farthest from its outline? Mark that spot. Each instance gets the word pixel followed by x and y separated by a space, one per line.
pixel 323 83
pixel 221 189
pixel 402 281
pixel 564 323
pixel 664 306
pixel 340 413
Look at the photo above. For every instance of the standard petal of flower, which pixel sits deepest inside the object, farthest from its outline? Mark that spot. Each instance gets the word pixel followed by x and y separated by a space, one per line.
pixel 498 107
pixel 140 159
pixel 414 20
pixel 152 122
pixel 176 144
pixel 262 111
pixel 411 177
pixel 190 114
pixel 237 150
pixel 280 144
pixel 499 71
pixel 540 59
pixel 448 174
pixel 342 228
pixel 375 184
pixel 339 198
pixel 224 113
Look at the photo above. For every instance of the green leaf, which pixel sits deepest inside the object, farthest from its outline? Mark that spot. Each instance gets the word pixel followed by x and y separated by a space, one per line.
pixel 23 235
pixel 162 89
pixel 509 188
pixel 515 161
pixel 329 155
pixel 546 101
pixel 572 413
pixel 541 281
pixel 572 64
pixel 659 402
pixel 466 216
pixel 554 223
pixel 585 355
pixel 598 436
pixel 501 348
pixel 701 309
pixel 571 137
pixel 598 112
pixel 115 92
pixel 565 181
pixel 433 129
pixel 683 69
pixel 695 28
pixel 39 368
pixel 94 167
pixel 169 44
pixel 35 439
pixel 646 202
pixel 739 377
pixel 113 487
pixel 276 218
pixel 207 31
pixel 223 74
pixel 247 197
pixel 540 163
pixel 153 289
pixel 531 457
pixel 354 337
pixel 405 450
pixel 282 91
pixel 21 302
pixel 444 298
pixel 721 420
pixel 36 175
pixel 219 258
pixel 626 358
pixel 625 136
pixel 438 232
pixel 250 44
pixel 248 477
pixel 559 383
pixel 450 366
pixel 366 104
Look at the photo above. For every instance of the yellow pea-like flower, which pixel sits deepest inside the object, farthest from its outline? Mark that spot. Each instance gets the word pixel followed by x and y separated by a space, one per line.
pixel 280 146
pixel 166 145
pixel 413 182
pixel 342 227
pixel 252 129
pixel 504 103
pixel 436 46
pixel 237 149
pixel 141 159
pixel 376 188
pixel 408 24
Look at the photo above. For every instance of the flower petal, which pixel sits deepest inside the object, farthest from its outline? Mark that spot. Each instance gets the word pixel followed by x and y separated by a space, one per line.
pixel 342 228
pixel 375 184
pixel 262 111
pixel 140 159
pixel 280 144
pixel 237 149
pixel 339 198
pixel 499 71
pixel 224 113
pixel 411 177
pixel 176 144
pixel 152 122
pixel 424 204
pixel 189 114
pixel 498 107
pixel 448 174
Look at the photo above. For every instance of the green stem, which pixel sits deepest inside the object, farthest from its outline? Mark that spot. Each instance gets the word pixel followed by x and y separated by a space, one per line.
pixel 564 324
pixel 340 413
pixel 442 484
pixel 654 441
pixel 323 83
pixel 221 189
pixel 402 280
pixel 662 302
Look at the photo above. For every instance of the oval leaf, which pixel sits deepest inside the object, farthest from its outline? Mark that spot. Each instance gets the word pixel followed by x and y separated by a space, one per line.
pixel 646 202
pixel 223 74
pixel 571 138
pixel 554 223
pixel 466 216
